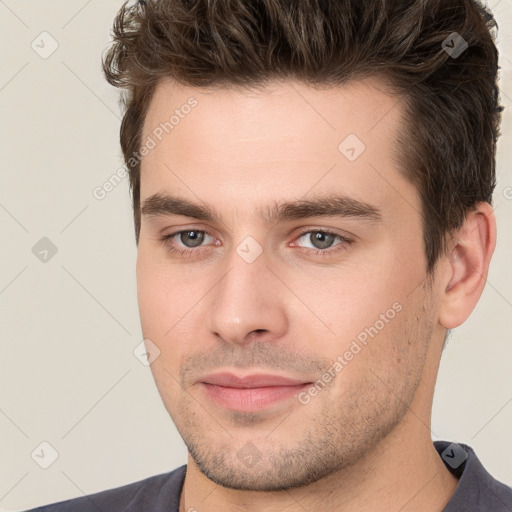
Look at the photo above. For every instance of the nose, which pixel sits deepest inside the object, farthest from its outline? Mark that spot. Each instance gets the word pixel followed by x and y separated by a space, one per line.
pixel 248 303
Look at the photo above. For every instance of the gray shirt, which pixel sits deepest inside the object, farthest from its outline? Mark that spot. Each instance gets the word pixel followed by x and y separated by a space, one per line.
pixel 477 490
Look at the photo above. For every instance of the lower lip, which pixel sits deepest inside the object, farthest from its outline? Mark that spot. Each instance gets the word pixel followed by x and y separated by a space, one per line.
pixel 250 399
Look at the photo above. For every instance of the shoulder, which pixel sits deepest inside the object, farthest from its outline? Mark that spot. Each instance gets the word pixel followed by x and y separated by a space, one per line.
pixel 159 492
pixel 477 490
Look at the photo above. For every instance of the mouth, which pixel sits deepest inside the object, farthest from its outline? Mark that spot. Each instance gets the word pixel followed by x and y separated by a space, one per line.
pixel 251 392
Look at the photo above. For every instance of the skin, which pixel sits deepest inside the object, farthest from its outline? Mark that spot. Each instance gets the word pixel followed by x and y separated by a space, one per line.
pixel 292 311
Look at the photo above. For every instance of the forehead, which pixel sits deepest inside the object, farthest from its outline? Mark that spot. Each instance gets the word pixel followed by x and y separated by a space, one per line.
pixel 260 115
pixel 282 140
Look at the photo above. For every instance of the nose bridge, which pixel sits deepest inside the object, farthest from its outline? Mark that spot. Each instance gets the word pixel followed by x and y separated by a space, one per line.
pixel 245 298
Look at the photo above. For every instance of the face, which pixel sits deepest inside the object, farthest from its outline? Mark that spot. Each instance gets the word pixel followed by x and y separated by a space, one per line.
pixel 281 275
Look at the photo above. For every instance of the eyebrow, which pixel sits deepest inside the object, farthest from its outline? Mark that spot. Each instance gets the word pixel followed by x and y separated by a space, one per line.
pixel 320 206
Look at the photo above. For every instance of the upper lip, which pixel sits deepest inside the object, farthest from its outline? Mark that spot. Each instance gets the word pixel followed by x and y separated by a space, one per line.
pixel 231 380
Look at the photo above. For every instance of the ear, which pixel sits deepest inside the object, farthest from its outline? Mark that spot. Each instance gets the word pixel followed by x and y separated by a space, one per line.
pixel 466 265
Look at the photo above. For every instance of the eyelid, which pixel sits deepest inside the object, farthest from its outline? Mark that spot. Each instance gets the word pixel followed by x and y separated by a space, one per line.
pixel 177 230
pixel 299 232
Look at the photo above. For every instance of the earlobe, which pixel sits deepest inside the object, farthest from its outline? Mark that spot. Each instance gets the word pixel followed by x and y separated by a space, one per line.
pixel 467 265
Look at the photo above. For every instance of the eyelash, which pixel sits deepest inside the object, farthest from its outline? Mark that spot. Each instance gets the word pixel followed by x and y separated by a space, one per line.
pixel 167 242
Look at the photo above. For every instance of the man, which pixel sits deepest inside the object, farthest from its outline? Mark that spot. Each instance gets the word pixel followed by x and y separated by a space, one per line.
pixel 312 186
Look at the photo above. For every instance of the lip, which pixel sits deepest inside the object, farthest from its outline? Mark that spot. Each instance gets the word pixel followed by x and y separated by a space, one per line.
pixel 255 380
pixel 250 392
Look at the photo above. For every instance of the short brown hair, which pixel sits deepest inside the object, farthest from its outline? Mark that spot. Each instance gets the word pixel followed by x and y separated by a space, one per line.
pixel 447 143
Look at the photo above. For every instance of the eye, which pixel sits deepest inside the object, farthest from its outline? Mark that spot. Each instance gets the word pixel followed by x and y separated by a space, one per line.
pixel 322 241
pixel 192 238
pixel 185 242
pixel 319 239
pixel 191 241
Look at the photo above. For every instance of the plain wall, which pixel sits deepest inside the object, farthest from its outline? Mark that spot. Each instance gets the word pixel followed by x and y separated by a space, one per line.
pixel 69 325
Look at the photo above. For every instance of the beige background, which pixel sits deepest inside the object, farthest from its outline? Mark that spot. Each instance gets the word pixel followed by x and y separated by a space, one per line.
pixel 68 376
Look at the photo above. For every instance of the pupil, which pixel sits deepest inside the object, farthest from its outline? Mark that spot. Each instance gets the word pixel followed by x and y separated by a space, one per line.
pixel 324 239
pixel 195 236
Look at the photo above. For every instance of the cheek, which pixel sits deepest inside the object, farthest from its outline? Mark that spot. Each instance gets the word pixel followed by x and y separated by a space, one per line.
pixel 355 301
pixel 160 300
pixel 386 364
pixel 374 331
pixel 168 310
pixel 156 295
pixel 149 290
